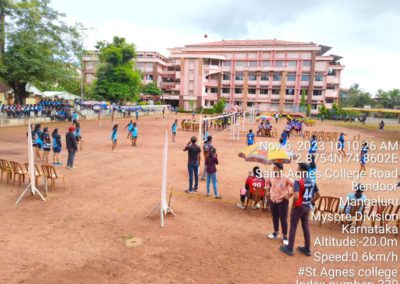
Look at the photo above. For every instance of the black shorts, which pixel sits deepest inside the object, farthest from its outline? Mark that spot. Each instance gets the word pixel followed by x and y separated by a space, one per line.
pixel 46 149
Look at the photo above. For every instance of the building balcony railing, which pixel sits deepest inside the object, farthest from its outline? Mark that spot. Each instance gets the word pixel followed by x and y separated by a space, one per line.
pixel 332 79
pixel 211 69
pixel 331 93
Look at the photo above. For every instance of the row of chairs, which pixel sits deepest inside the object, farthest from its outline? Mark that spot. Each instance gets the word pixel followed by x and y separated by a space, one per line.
pixel 268 132
pixel 190 126
pixel 329 205
pixel 14 170
pixel 321 135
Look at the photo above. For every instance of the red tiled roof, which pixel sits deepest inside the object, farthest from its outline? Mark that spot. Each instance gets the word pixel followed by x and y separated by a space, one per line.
pixel 266 42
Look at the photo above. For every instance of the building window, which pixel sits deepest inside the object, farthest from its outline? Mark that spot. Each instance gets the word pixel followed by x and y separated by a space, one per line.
pixel 227 63
pixel 276 91
pixel 240 63
pixel 317 92
pixel 330 87
pixel 330 101
pixel 279 63
pixel 277 76
pixel 149 55
pixel 331 72
pixel 266 63
pixel 292 63
pixel 213 90
pixel 226 76
pixel 252 91
pixel 305 77
pixel 238 90
pixel 264 76
pixel 252 76
pixel 225 90
pixel 253 63
pixel 290 92
pixel 319 76
pixel 239 76
pixel 140 55
pixel 306 63
pixel 305 92
pixel 264 91
pixel 291 77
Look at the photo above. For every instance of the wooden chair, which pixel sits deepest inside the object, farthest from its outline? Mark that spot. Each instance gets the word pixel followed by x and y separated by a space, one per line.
pixel 38 174
pixel 328 205
pixel 307 135
pixel 50 173
pixel 254 199
pixel 6 168
pixel 18 171
pixel 355 212
pixel 379 210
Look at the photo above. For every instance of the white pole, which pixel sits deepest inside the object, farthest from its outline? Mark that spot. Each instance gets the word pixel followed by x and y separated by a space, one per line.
pixel 31 169
pixel 244 119
pixel 200 137
pixel 164 204
pixel 31 161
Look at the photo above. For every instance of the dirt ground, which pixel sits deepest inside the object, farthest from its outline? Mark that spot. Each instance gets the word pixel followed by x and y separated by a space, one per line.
pixel 77 236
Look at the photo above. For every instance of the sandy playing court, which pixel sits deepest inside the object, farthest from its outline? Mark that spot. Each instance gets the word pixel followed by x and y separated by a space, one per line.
pixel 77 236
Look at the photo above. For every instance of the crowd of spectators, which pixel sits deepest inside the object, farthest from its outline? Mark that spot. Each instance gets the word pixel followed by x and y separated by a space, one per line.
pixel 55 109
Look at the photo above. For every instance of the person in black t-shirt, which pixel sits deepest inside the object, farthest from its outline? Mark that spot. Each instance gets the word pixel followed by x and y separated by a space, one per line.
pixel 193 164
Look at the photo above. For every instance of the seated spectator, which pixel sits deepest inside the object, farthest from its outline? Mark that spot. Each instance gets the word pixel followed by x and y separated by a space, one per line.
pixel 260 131
pixel 253 181
pixel 356 197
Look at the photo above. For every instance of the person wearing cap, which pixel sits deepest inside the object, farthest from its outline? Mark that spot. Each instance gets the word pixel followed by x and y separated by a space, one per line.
pixel 207 147
pixel 278 194
pixel 72 147
pixel 356 197
pixel 194 151
pixel 305 194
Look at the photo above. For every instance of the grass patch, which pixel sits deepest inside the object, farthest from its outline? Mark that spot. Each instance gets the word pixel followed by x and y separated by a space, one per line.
pixel 367 126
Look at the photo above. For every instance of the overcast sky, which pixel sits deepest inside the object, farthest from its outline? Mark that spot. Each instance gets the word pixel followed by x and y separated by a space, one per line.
pixel 365 32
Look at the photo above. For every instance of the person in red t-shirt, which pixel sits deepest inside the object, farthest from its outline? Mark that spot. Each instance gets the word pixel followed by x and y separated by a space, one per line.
pixel 255 180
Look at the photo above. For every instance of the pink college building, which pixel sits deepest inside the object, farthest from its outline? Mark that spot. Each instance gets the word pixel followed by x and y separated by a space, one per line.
pixel 269 74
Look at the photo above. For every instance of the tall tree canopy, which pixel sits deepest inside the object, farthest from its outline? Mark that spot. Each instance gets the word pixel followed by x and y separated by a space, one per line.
pixel 388 99
pixel 40 48
pixel 151 89
pixel 357 97
pixel 116 78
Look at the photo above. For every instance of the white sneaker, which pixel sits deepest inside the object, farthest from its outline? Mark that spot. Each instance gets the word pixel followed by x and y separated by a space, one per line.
pixel 240 205
pixel 285 241
pixel 273 236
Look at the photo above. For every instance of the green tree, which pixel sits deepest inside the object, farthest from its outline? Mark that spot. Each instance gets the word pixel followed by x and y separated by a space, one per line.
pixel 116 79
pixel 308 111
pixel 40 46
pixel 389 99
pixel 357 97
pixel 303 102
pixel 219 107
pixel 151 89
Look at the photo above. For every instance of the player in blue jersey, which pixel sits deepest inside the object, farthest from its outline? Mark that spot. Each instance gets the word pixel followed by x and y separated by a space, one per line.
pixel 340 144
pixel 250 139
pixel 114 137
